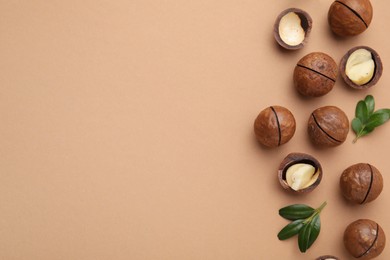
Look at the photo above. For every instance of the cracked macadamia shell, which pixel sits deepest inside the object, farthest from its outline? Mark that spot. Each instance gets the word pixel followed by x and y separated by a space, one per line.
pixel 377 70
pixel 328 126
pixel 315 74
pixel 350 17
pixel 296 158
pixel 364 239
pixel 292 28
pixel 274 126
pixel 327 257
pixel 361 183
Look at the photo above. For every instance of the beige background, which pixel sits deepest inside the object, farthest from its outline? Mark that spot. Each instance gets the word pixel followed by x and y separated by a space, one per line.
pixel 126 130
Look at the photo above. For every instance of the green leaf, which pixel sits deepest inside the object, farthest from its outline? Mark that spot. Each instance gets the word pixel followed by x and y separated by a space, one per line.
pixel 296 211
pixel 291 229
pixel 377 119
pixel 361 111
pixel 316 228
pixel 309 234
pixel 307 229
pixel 367 119
pixel 357 125
pixel 367 130
pixel 382 111
pixel 370 102
pixel 364 131
pixel 303 238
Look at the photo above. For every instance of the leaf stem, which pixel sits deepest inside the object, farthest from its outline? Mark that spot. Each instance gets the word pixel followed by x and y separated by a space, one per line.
pixel 321 207
pixel 358 135
pixel 316 212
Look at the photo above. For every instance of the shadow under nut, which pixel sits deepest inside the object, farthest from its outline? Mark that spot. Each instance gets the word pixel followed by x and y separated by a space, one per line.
pixel 328 126
pixel 274 126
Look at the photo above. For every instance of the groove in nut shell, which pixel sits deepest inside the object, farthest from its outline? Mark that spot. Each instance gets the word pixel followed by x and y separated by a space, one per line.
pixel 370 186
pixel 353 11
pixel 278 123
pixel 319 126
pixel 375 233
pixel 319 73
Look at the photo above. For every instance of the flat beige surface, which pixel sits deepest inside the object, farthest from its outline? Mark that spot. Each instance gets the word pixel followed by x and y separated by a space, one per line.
pixel 126 130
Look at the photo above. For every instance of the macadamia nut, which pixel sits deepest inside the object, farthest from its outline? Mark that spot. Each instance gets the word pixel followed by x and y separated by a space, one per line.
pixel 364 239
pixel 361 183
pixel 300 173
pixel 328 126
pixel 350 17
pixel 361 67
pixel 315 74
pixel 292 28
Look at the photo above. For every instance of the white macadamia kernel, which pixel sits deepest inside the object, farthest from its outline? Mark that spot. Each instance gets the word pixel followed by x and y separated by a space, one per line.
pixel 301 175
pixel 360 66
pixel 290 29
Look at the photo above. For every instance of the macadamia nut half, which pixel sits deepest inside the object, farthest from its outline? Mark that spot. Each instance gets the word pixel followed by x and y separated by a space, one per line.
pixel 327 257
pixel 292 27
pixel 299 172
pixel 361 67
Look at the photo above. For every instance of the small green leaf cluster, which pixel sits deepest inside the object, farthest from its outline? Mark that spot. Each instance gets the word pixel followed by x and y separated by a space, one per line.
pixel 306 223
pixel 366 118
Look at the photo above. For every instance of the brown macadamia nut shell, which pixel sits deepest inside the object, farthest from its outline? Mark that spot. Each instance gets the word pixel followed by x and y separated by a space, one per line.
pixel 364 239
pixel 377 73
pixel 315 74
pixel 327 257
pixel 328 126
pixel 306 23
pixel 294 158
pixel 350 17
pixel 361 183
pixel 274 126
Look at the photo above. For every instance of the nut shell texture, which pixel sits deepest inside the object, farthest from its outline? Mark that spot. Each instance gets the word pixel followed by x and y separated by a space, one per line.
pixel 361 183
pixel 315 74
pixel 274 126
pixel 328 126
pixel 364 239
pixel 350 17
